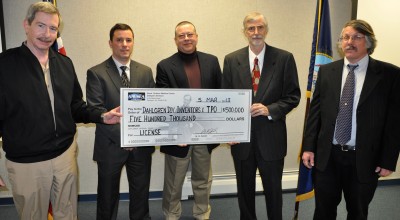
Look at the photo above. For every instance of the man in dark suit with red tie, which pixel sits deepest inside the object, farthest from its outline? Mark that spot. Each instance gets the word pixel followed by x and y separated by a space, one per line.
pixel 103 92
pixel 350 154
pixel 272 75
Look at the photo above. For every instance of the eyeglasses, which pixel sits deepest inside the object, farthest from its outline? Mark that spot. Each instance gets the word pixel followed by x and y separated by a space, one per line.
pixel 184 35
pixel 355 38
pixel 252 29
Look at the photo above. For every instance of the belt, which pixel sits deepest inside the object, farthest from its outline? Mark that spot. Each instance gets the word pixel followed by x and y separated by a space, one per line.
pixel 345 147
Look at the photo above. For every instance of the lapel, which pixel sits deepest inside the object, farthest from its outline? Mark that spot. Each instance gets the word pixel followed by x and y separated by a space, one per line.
pixel 334 78
pixel 243 68
pixel 204 68
pixel 372 78
pixel 132 77
pixel 268 71
pixel 178 71
pixel 113 73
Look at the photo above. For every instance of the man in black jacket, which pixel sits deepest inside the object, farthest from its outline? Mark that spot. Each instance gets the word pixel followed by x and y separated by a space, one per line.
pixel 352 128
pixel 188 68
pixel 40 102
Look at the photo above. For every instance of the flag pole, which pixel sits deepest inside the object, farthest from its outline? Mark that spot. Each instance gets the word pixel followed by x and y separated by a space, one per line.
pixel 301 167
pixel 321 53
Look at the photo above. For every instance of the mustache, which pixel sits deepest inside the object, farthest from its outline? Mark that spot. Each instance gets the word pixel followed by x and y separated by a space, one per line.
pixel 258 36
pixel 350 47
pixel 44 39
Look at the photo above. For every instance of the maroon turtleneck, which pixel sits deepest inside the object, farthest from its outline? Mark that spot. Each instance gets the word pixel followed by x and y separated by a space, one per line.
pixel 192 68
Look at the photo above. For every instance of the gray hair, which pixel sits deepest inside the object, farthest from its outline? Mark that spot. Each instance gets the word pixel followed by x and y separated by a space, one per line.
pixel 364 28
pixel 45 7
pixel 252 17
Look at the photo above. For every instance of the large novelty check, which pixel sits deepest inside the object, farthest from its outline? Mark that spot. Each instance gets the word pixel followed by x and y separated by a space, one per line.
pixel 154 117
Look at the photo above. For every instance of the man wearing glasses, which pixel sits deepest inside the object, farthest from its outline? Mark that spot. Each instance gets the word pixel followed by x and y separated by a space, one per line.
pixel 352 129
pixel 188 68
pixel 272 75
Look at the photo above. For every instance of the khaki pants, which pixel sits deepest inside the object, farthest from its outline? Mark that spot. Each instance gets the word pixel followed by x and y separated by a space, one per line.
pixel 35 184
pixel 174 175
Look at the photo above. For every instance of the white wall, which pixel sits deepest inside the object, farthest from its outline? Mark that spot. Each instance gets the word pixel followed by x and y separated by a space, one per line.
pixel 384 17
pixel 385 20
pixel 218 23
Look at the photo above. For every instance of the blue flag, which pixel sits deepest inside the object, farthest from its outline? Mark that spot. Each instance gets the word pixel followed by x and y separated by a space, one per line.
pixel 321 53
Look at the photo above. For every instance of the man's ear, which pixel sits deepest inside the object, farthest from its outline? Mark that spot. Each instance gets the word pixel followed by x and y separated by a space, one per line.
pixel 26 25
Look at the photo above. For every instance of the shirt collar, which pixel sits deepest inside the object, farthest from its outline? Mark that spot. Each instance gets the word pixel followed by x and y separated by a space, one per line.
pixel 118 64
pixel 362 64
pixel 260 56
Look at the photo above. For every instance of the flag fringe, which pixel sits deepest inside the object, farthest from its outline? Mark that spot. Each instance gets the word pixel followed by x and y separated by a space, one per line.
pixel 324 54
pixel 305 196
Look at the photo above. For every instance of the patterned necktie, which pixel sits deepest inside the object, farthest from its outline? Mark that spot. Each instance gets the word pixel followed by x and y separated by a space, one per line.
pixel 344 118
pixel 124 78
pixel 255 75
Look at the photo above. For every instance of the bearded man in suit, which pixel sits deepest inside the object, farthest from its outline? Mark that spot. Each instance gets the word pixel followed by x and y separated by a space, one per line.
pixel 272 75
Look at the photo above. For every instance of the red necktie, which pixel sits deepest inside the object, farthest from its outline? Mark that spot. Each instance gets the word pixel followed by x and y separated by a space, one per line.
pixel 255 75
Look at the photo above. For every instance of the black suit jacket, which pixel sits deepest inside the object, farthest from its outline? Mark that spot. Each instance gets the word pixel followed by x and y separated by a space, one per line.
pixel 103 92
pixel 278 90
pixel 377 119
pixel 171 74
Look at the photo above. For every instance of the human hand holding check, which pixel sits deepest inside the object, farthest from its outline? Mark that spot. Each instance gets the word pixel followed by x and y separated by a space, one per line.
pixel 113 116
pixel 258 109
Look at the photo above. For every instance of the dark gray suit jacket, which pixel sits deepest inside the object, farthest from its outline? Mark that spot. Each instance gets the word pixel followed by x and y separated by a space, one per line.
pixel 378 121
pixel 278 90
pixel 171 74
pixel 103 92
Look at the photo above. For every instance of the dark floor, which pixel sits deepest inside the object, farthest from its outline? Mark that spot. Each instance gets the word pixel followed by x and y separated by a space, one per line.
pixel 385 206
